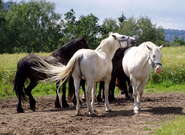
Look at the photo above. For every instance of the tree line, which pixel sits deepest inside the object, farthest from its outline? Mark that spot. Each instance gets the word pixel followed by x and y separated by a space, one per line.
pixel 34 26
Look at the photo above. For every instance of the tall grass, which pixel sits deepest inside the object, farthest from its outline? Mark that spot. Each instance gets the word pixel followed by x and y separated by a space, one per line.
pixel 8 65
pixel 172 78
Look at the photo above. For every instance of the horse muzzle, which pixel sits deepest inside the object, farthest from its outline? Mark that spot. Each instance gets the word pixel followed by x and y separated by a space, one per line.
pixel 158 69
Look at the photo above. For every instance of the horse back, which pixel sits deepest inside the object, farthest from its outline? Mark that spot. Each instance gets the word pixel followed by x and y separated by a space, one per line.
pixel 64 54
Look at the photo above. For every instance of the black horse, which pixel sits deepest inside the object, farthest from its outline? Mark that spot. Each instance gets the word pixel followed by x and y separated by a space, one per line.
pixel 25 71
pixel 118 78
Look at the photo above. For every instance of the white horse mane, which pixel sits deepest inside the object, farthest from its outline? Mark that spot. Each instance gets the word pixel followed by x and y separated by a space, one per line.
pixel 107 41
pixel 150 44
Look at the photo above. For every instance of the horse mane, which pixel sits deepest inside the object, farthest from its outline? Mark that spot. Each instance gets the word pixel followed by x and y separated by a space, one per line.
pixel 76 44
pixel 67 50
pixel 150 44
pixel 103 42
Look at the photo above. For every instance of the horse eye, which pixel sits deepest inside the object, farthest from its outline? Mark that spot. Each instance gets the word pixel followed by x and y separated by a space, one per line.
pixel 153 56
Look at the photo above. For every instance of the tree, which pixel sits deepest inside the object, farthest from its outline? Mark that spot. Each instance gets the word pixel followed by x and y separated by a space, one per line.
pixel 68 26
pixel 3 28
pixel 33 26
pixel 149 31
pixel 129 27
pixel 109 25
pixel 122 18
pixel 1 5
pixel 85 26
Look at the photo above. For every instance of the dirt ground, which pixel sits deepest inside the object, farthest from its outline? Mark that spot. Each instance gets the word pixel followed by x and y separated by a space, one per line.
pixel 156 109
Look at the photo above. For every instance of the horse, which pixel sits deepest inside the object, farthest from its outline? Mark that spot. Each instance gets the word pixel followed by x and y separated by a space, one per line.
pixel 25 72
pixel 118 78
pixel 90 65
pixel 137 63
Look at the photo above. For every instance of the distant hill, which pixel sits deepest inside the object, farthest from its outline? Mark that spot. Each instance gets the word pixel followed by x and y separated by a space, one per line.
pixel 170 34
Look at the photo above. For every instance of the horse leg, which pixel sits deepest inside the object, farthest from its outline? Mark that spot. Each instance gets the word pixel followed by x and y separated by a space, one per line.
pixel 126 90
pixel 130 89
pixel 57 103
pixel 140 92
pixel 71 89
pixel 28 92
pixel 82 83
pixel 88 94
pixel 93 97
pixel 106 92
pixel 20 97
pixel 111 89
pixel 101 87
pixel 77 87
pixel 135 85
pixel 19 106
pixel 64 102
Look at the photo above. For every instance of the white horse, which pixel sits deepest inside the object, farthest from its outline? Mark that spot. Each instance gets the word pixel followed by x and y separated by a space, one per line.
pixel 91 65
pixel 137 63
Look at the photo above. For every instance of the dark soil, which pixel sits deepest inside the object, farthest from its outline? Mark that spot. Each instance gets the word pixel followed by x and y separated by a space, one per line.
pixel 156 109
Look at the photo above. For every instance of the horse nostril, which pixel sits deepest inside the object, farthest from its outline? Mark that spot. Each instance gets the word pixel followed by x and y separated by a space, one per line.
pixel 158 69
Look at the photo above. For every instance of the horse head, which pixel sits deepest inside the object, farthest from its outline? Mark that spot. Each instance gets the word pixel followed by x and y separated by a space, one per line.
pixel 155 56
pixel 124 40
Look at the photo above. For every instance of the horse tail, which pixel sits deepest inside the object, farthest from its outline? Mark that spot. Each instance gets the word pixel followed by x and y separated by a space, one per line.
pixel 19 81
pixel 57 72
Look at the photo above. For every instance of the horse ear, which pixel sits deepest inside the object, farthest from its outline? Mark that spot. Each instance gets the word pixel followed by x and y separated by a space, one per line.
pixel 149 48
pixel 161 46
pixel 114 36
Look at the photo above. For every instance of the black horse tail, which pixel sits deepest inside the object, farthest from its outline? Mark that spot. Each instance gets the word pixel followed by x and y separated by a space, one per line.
pixel 19 81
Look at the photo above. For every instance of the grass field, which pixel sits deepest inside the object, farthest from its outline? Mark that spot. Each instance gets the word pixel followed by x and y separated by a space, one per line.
pixel 7 72
pixel 174 127
pixel 171 80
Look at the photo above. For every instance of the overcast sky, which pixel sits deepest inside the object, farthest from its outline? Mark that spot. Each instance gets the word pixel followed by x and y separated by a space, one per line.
pixel 165 13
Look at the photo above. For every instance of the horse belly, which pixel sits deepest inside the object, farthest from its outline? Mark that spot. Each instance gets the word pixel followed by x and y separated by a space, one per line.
pixel 93 68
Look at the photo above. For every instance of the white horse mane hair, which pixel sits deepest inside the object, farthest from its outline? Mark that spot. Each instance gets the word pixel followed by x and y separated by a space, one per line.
pixel 149 44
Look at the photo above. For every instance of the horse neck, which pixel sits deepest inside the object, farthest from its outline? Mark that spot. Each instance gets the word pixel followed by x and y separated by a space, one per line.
pixel 144 57
pixel 107 48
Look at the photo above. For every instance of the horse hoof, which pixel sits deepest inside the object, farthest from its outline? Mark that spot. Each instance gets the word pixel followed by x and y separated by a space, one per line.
pixel 93 115
pixel 136 110
pixel 78 113
pixel 57 106
pixel 65 105
pixel 99 99
pixel 108 110
pixel 20 110
pixel 33 109
pixel 111 100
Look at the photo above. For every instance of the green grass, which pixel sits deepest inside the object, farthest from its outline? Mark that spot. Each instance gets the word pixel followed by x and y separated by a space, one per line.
pixel 164 88
pixel 8 64
pixel 172 78
pixel 9 61
pixel 174 127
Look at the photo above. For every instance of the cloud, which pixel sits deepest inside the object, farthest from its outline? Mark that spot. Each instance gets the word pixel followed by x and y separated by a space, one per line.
pixel 168 13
